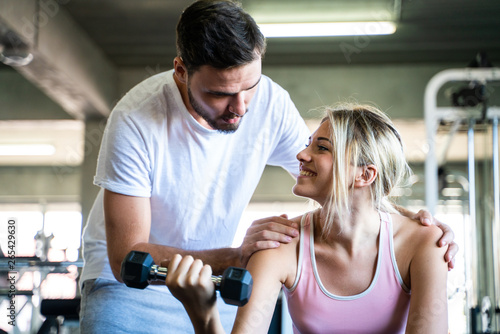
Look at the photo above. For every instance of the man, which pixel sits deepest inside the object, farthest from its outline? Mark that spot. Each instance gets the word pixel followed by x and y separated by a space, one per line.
pixel 181 156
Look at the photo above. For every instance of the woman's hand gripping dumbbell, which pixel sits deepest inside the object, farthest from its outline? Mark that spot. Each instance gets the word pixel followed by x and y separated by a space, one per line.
pixel 138 270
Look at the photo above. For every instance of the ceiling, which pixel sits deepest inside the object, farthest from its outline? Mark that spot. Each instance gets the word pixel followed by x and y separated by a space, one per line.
pixel 142 33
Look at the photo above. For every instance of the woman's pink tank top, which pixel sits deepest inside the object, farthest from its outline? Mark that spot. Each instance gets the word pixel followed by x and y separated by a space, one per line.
pixel 382 308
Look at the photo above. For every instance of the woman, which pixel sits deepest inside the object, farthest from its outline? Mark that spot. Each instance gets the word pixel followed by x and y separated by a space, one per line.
pixel 356 260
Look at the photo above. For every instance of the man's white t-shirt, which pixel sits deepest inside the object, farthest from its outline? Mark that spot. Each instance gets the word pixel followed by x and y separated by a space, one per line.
pixel 199 181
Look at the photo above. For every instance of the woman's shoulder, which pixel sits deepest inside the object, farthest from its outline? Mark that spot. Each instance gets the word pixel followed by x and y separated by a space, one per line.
pixel 415 245
pixel 289 249
pixel 411 232
pixel 280 261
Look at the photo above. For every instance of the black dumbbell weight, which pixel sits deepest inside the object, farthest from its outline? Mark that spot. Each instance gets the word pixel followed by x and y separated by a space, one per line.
pixel 139 270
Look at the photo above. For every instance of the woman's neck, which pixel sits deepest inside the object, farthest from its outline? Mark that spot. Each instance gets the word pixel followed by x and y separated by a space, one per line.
pixel 353 231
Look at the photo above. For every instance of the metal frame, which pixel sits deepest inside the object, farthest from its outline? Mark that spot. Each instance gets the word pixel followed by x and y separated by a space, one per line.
pixel 433 115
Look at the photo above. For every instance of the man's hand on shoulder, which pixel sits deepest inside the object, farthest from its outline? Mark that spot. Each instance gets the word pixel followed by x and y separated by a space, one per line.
pixel 267 233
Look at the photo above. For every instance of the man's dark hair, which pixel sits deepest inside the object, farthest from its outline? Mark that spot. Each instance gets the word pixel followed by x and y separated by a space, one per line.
pixel 219 34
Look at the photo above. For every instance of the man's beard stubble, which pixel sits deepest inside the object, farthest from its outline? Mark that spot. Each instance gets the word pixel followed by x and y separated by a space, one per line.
pixel 227 129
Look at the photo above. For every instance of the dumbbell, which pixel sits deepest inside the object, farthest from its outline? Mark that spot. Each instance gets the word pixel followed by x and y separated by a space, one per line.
pixel 138 270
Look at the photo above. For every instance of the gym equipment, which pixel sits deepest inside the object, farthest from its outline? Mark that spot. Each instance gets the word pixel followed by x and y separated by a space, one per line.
pixel 55 311
pixel 138 270
pixel 471 114
pixel 59 313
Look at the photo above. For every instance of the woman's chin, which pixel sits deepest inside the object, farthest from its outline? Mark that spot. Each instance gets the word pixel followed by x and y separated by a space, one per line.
pixel 297 191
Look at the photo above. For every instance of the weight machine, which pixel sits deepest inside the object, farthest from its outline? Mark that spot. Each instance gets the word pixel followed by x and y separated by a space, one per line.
pixel 470 113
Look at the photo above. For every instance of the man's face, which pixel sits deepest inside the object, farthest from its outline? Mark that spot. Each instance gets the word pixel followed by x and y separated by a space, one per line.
pixel 221 97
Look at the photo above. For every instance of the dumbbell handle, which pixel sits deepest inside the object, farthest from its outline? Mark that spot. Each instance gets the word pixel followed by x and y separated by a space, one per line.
pixel 138 270
pixel 158 273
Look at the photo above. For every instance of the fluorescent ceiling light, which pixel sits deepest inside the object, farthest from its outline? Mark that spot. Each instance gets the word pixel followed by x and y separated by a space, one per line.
pixel 26 149
pixel 322 29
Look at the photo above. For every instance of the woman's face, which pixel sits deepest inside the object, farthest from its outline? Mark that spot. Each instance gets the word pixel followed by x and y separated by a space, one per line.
pixel 316 166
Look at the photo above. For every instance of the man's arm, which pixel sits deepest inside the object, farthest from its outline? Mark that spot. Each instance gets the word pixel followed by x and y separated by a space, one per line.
pixel 128 225
pixel 426 218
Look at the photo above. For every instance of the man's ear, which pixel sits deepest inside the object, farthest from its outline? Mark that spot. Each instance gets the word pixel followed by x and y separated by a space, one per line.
pixel 180 70
pixel 365 176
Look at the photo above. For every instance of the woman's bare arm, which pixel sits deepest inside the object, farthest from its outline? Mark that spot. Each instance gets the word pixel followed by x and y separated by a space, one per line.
pixel 428 275
pixel 189 281
pixel 270 269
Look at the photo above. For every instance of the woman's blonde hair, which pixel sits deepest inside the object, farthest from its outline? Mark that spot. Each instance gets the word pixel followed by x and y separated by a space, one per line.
pixel 362 135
